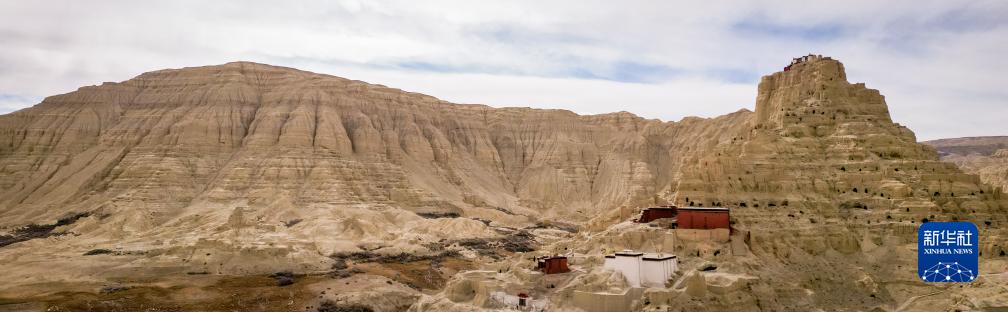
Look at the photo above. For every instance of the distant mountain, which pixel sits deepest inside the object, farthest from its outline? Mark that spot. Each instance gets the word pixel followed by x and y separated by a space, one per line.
pixel 985 145
pixel 985 156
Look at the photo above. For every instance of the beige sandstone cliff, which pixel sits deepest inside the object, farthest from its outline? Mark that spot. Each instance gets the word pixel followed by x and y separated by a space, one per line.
pixel 986 157
pixel 244 169
pixel 171 139
pixel 248 168
pixel 826 193
pixel 992 169
pixel 832 190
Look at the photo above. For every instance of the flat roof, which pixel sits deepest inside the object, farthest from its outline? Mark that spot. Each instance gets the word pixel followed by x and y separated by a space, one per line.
pixel 550 257
pixel 658 257
pixel 704 208
pixel 628 253
pixel 660 208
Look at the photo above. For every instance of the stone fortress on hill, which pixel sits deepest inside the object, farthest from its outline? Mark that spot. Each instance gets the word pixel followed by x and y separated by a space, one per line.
pixel 210 179
pixel 819 142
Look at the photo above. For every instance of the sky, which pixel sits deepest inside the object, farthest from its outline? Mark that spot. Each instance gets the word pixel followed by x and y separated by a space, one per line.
pixel 940 64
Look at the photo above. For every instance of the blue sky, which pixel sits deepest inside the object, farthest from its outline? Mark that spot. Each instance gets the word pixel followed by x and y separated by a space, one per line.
pixel 939 63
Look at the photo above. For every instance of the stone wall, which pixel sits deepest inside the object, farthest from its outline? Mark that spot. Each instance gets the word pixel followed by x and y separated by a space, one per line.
pixel 603 302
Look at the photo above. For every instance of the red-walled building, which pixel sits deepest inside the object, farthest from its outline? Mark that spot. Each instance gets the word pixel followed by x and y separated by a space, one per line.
pixel 553 265
pixel 703 218
pixel 522 298
pixel 655 213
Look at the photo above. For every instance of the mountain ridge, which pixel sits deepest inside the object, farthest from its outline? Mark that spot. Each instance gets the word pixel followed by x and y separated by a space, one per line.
pixel 98 116
pixel 985 156
pixel 245 169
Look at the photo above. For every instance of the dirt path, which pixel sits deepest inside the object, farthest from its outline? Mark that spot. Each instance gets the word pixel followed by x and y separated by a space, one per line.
pixel 914 298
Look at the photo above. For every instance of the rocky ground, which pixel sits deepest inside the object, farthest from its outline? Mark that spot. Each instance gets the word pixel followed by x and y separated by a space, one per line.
pixel 254 187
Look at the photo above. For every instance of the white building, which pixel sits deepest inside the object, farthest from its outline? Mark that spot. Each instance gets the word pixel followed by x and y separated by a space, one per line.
pixel 520 302
pixel 657 268
pixel 643 270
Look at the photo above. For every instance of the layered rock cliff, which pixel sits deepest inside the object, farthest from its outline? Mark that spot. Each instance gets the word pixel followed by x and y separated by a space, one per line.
pixel 168 139
pixel 819 143
pixel 992 169
pixel 831 192
pixel 243 169
pixel 251 162
pixel 986 157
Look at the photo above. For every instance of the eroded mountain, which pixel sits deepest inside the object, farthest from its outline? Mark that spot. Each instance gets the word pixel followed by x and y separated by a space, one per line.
pixel 219 179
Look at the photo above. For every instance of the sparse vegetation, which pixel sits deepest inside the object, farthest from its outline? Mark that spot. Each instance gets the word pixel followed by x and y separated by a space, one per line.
pixel 366 256
pixel 293 222
pixel 284 278
pixel 566 227
pixel 340 269
pixel 114 289
pixel 33 231
pixel 853 205
pixel 330 306
pixel 99 251
pixel 518 241
pixel 437 215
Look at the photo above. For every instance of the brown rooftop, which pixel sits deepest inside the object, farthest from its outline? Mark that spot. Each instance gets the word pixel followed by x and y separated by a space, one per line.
pixel 704 208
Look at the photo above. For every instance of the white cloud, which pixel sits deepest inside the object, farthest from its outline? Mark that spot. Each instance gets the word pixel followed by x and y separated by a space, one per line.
pixel 10 103
pixel 938 62
pixel 670 100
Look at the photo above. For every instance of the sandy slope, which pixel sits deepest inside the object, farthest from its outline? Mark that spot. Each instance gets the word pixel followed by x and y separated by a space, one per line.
pixel 216 176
